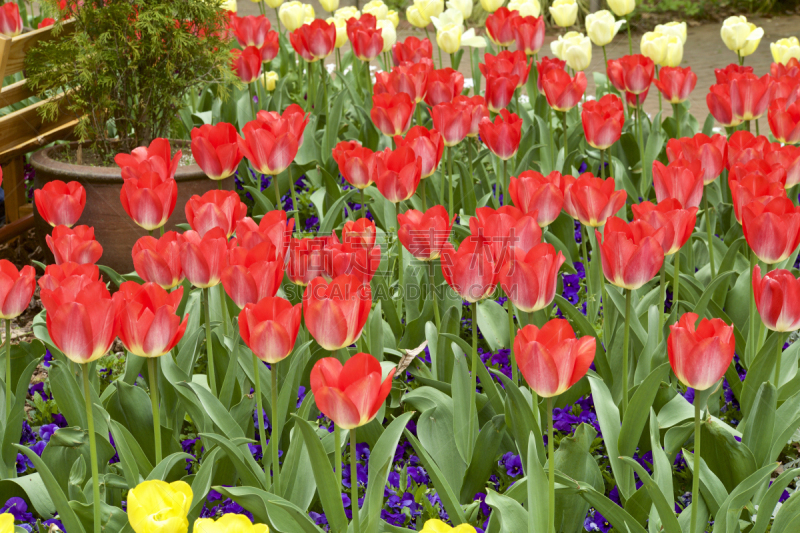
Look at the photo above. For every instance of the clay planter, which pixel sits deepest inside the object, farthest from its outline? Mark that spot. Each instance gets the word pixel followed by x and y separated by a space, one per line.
pixel 113 228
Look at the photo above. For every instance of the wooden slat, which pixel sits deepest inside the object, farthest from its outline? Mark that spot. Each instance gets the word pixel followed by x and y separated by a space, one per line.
pixel 15 93
pixel 14 187
pixel 25 210
pixel 20 126
pixel 18 227
pixel 24 42
pixel 5 52
pixel 62 133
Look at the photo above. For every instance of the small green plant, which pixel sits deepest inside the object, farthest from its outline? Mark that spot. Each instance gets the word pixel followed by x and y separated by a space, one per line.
pixel 128 64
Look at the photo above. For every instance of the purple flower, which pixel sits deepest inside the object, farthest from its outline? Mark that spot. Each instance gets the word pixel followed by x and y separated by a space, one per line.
pixel 17 507
pixel 46 431
pixel 418 474
pixel 319 519
pixel 27 436
pixel 596 522
pixel 39 447
pixel 23 463
pixel 512 463
pixel 362 451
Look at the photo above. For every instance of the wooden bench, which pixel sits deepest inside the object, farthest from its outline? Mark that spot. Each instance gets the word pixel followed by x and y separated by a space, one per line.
pixel 23 130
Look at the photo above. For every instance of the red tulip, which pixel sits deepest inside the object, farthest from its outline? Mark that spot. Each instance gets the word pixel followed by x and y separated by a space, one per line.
pixel 55 275
pixel 336 311
pixel 477 109
pixel 678 223
pixel 681 180
pixel 427 144
pixel 397 173
pixel 10 21
pixel 350 395
pixel 534 193
pixel 247 63
pixel 149 199
pixel 443 85
pixel 772 172
pixel 216 150
pixel 505 228
pixel 544 66
pixel 552 359
pixel 294 117
pixel 784 120
pixel 592 200
pixel 75 245
pixel 710 151
pixel 355 163
pixel 502 136
pixel 159 260
pixel 779 70
pixel 253 274
pixel 275 227
pixel 269 146
pixel 675 83
pixel 360 233
pixel 357 254
pixel 562 91
pixel 773 229
pixel 529 279
pixel 45 23
pixel 719 104
pixel 269 50
pixel 410 79
pixel 743 147
pixel 307 258
pixel 777 296
pixel 786 157
pixel 500 26
pixel 412 50
pixel 424 234
pixel 365 38
pixel 507 64
pixel 700 353
pixel 632 73
pixel 470 271
pixel 754 187
pixel 215 209
pixel 453 121
pixel 204 258
pixel 149 325
pixel 156 158
pixel 16 289
pixel 749 96
pixel 631 253
pixel 314 41
pixel 392 113
pixel 730 72
pixel 499 90
pixel 251 30
pixel 59 203
pixel 603 121
pixel 529 34
pixel 269 328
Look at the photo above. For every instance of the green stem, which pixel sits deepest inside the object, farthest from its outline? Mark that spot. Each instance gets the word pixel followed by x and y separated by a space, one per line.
pixel 251 93
pixel 152 370
pixel 512 332
pixel 472 392
pixel 354 482
pixel 585 254
pixel 505 183
pixel 751 336
pixel 566 143
pixel 400 268
pixel 602 164
pixel 551 508
pixel 663 281
pixel 641 135
pixel 450 176
pixel 659 93
pixel 781 340
pixel 8 369
pixel 625 355
pixel 676 113
pixel 432 282
pixel 337 454
pixel 468 140
pixel 757 128
pixel 260 414
pixel 277 193
pixel 275 437
pixel 696 472
pixel 87 393
pixel 422 186
pixel 709 233
pixel 212 379
pixel 295 205
pixel 312 86
pixel 418 114
pixel 363 205
pixel 278 19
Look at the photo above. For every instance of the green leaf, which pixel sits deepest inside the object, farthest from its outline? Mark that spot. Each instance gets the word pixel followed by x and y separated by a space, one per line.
pixel 788 518
pixel 521 419
pixel 249 471
pixel 269 508
pixel 615 514
pixel 760 423
pixel 537 486
pixel 572 458
pixel 163 469
pixel 30 488
pixel 435 430
pixel 727 518
pixel 333 214
pixel 662 468
pixel 13 424
pixel 713 491
pixel 608 418
pixel 493 323
pixel 771 498
pixel 665 511
pixel 479 469
pixel 639 409
pixel 463 410
pixel 513 516
pixel 730 460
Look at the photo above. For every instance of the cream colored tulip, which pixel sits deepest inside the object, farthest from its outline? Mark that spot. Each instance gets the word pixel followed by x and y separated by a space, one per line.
pixel 377 9
pixel 274 4
pixel 346 13
pixel 292 15
pixel 449 38
pixel 654 46
pixel 341 30
pixel 490 6
pixel 468 38
pixel 785 49
pixel 741 36
pixel 677 29
pixel 622 7
pixel 308 12
pixel 575 48
pixel 269 80
pixel 394 17
pixel 564 12
pixel 674 54
pixel 450 17
pixel 388 33
pixel 415 17
pixel 602 27
pixel 430 8
pixel 329 5
pixel 465 6
pixel 229 5
pixel 526 8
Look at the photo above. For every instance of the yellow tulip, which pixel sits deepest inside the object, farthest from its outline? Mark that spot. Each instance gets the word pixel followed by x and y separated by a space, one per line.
pixel 449 38
pixel 377 9
pixel 308 12
pixel 269 79
pixel 229 5
pixel 394 17
pixel 674 54
pixel 574 48
pixel 274 4
pixel 741 36
pixel 602 27
pixel 292 15
pixel 341 30
pixel 465 6
pixel 329 5
pixel 6 523
pixel 526 8
pixel 564 12
pixel 228 523
pixel 654 46
pixel 388 33
pixel 785 49
pixel 437 526
pixel 490 6
pixel 622 7
pixel 346 13
pixel 159 507
pixel 415 17
pixel 677 29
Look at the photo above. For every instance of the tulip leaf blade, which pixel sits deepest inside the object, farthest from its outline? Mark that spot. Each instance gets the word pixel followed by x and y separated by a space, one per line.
pixel 759 371
pixel 479 469
pixel 639 410
pixel 771 498
pixel 760 423
pixel 727 517
pixel 665 511
pixel 333 214
pixel 521 418
pixel 464 415
pixel 269 508
pixel 513 517
pixel 251 475
pixel 16 415
pixel 616 515
pixel 609 420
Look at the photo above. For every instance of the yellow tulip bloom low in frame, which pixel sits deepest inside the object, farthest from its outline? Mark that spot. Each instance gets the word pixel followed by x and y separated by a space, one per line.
pixel 228 523
pixel 437 526
pixel 6 523
pixel 159 507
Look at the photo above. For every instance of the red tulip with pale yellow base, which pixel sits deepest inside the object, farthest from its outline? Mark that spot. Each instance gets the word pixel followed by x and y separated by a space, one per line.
pixel 216 150
pixel 55 275
pixel 533 192
pixel 505 228
pixel 215 209
pixel 711 152
pixel 427 144
pixel 16 289
pixel 76 245
pixel 631 252
pixel 529 279
pixel 777 297
pixel 148 323
pixel 592 200
pixel 772 230
pixel 682 180
pixel 252 275
pixel 59 203
pixel 336 311
pixel 159 260
pixel 678 223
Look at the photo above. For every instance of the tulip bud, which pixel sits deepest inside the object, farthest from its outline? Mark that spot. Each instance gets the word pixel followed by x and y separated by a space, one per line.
pixel 274 4
pixel 574 48
pixel 700 353
pixel 622 7
pixel 269 80
pixel 675 29
pixel 292 15
pixel 16 289
pixel 416 18
pixel 10 20
pixel 464 6
pixel 564 12
pixel 329 5
pixel 449 38
pixel 346 13
pixel 490 6
pixel 741 36
pixel 654 46
pixel 229 5
pixel 341 30
pixel 785 49
pixel 156 506
pixel 602 27
pixel 526 8
pixel 674 54
pixel 388 33
pixel 777 296
pixel 229 523
pixel 394 17
pixel 377 9
pixel 437 526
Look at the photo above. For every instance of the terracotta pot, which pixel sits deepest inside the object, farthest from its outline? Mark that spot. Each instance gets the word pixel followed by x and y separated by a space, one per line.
pixel 113 228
